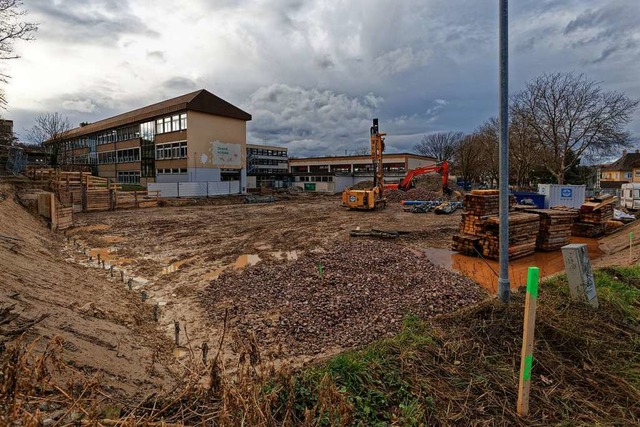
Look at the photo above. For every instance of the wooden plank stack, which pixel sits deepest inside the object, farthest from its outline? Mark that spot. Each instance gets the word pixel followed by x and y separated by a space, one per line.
pixel 555 227
pixel 481 209
pixel 467 244
pixel 523 229
pixel 594 214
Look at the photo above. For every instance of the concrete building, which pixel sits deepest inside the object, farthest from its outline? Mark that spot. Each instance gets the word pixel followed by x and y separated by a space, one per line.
pixel 196 137
pixel 267 166
pixel 334 174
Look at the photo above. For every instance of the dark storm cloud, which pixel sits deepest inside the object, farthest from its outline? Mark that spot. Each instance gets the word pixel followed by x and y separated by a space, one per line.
pixel 83 22
pixel 180 84
pixel 614 27
pixel 310 121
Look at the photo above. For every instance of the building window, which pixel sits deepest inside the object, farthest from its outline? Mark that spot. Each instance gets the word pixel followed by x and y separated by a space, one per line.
pixel 172 150
pixel 129 177
pixel 183 121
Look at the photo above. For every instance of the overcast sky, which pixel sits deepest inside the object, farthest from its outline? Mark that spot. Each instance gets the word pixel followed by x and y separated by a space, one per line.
pixel 314 73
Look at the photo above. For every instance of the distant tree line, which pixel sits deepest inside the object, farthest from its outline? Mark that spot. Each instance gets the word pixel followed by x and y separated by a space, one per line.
pixel 555 122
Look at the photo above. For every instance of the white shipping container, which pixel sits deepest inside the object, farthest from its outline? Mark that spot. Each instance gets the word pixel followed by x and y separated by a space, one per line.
pixel 563 195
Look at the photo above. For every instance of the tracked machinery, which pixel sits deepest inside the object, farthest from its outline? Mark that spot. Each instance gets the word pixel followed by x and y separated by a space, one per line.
pixel 407 182
pixel 373 198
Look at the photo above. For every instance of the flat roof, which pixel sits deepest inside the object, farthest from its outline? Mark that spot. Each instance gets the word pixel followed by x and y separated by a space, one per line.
pixel 269 147
pixel 360 157
pixel 200 100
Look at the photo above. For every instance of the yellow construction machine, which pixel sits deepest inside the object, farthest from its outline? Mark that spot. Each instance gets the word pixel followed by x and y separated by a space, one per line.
pixel 370 198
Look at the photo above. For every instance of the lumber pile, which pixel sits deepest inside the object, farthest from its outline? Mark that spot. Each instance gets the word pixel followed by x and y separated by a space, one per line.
pixel 523 229
pixel 481 208
pixel 467 244
pixel 555 227
pixel 594 215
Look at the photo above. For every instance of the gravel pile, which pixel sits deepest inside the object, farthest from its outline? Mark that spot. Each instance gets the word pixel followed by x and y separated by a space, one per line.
pixel 394 196
pixel 356 294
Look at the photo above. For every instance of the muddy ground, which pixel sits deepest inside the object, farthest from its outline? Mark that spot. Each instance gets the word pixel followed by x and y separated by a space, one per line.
pixel 313 291
pixel 174 253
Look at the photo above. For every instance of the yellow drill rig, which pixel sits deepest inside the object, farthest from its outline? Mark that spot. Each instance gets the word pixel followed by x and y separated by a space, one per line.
pixel 370 198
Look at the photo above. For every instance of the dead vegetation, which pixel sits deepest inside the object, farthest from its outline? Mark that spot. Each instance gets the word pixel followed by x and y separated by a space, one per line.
pixel 460 369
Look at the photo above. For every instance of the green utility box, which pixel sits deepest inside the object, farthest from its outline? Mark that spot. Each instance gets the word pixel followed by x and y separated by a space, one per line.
pixel 309 186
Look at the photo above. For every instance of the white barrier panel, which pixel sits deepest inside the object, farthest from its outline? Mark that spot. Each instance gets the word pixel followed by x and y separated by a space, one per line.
pixel 195 189
pixel 166 189
pixel 192 189
pixel 218 188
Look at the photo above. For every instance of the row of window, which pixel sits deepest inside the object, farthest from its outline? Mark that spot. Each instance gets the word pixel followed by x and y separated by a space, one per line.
pixel 120 134
pixel 265 152
pixel 171 123
pixel 129 177
pixel 266 171
pixel 173 171
pixel 314 178
pixel 172 150
pixel 121 156
pixel 269 162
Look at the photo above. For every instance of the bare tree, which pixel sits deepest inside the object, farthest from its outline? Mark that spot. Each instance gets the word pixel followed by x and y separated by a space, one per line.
pixel 52 129
pixel 467 162
pixel 441 145
pixel 362 151
pixel 12 28
pixel 569 113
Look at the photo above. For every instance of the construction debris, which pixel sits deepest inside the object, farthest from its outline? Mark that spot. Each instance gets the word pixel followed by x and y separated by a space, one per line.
pixel 385 234
pixel 358 292
pixel 259 199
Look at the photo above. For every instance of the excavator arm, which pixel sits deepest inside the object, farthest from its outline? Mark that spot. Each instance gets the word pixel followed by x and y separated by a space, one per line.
pixel 441 168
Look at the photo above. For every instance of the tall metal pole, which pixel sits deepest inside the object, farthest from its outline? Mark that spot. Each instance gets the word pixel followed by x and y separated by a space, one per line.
pixel 503 281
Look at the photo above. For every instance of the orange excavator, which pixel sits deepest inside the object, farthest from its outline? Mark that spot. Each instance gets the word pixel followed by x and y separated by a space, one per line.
pixel 407 182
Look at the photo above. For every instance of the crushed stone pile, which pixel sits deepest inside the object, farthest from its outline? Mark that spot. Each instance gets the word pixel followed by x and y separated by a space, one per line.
pixel 350 296
pixel 395 196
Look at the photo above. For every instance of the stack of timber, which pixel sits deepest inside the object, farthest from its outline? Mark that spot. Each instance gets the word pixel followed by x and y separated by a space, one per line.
pixel 555 227
pixel 594 215
pixel 479 206
pixel 467 244
pixel 523 229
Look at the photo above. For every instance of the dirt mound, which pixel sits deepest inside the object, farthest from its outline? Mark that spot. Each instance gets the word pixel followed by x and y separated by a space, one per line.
pixel 101 326
pixel 351 295
pixel 395 196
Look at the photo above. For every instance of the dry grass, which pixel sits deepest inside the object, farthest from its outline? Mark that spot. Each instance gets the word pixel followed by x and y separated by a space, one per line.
pixel 461 369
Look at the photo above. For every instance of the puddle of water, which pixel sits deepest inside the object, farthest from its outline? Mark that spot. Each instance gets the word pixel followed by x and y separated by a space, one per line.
pixel 105 253
pixel 485 271
pixel 108 255
pixel 241 262
pixel 176 265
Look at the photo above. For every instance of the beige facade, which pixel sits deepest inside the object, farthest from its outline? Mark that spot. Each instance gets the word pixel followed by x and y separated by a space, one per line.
pixel 194 137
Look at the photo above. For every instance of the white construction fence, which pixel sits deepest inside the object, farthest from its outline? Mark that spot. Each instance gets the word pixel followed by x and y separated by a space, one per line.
pixel 195 189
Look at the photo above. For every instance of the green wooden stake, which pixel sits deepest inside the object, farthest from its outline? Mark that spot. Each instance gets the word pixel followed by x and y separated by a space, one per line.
pixel 526 360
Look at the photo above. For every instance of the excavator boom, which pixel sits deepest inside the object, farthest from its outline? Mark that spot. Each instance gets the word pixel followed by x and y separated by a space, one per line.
pixel 441 168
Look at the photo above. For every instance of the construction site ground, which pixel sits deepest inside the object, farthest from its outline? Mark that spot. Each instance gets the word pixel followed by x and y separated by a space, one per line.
pixel 284 276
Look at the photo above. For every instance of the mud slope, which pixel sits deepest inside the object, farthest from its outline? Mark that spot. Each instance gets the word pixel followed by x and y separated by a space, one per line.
pixel 103 327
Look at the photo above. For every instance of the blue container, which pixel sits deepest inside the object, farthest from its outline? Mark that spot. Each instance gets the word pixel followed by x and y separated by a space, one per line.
pixel 526 198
